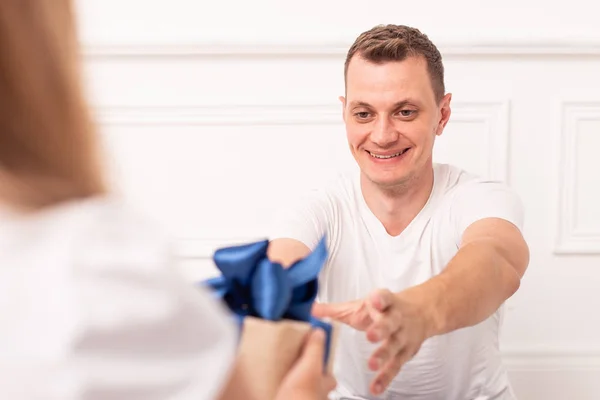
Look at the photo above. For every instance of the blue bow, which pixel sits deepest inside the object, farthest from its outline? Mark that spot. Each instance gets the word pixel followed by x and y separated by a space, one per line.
pixel 252 285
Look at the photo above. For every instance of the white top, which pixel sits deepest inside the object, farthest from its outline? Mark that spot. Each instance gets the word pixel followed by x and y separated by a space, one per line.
pixel 464 364
pixel 91 307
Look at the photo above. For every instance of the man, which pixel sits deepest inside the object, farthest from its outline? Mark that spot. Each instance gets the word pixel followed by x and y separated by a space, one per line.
pixel 422 255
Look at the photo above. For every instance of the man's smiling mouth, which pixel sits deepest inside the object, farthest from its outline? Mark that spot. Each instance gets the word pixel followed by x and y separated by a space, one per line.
pixel 387 156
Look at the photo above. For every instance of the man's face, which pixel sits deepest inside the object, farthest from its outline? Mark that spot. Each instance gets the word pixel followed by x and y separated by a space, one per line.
pixel 392 118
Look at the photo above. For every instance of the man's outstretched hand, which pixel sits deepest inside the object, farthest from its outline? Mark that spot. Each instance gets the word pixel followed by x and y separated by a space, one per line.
pixel 396 320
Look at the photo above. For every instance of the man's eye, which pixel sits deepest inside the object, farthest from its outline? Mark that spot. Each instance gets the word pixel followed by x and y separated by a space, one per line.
pixel 362 114
pixel 407 113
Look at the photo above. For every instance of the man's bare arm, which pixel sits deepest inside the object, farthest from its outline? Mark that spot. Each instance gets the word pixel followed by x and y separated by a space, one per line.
pixel 287 251
pixel 485 272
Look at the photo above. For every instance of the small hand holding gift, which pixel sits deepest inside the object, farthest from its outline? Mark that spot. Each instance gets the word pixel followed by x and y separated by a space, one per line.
pixel 273 307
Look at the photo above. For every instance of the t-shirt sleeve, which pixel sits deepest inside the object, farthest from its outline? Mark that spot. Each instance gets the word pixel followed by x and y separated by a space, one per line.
pixel 306 219
pixel 485 199
pixel 144 331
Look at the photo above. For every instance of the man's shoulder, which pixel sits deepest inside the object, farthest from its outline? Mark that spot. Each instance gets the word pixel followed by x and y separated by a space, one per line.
pixel 467 194
pixel 451 176
pixel 454 180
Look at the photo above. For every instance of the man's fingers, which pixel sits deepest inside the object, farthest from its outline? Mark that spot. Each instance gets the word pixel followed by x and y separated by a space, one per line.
pixel 389 371
pixel 321 310
pixel 387 351
pixel 386 322
pixel 383 326
pixel 342 312
pixel 328 310
pixel 381 299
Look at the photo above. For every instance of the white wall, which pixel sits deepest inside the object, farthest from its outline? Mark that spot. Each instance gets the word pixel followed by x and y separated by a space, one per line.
pixel 215 113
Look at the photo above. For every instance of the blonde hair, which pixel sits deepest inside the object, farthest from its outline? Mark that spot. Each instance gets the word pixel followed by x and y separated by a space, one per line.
pixel 48 150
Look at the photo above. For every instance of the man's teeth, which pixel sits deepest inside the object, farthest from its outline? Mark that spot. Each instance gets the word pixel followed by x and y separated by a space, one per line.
pixel 386 157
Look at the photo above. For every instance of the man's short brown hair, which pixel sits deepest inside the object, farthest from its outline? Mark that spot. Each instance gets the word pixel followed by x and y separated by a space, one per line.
pixel 385 43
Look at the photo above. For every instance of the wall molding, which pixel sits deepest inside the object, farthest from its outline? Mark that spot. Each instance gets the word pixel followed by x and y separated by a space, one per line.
pixel 569 239
pixel 554 374
pixel 495 115
pixel 203 249
pixel 221 115
pixel 338 48
pixel 528 359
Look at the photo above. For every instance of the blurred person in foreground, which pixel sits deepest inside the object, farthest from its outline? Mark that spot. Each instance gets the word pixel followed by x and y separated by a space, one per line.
pixel 91 306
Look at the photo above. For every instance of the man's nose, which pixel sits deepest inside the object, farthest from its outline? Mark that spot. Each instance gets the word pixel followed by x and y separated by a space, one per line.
pixel 384 133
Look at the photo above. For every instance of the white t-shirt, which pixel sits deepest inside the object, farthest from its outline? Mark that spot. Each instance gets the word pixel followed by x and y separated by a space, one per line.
pixel 91 307
pixel 464 364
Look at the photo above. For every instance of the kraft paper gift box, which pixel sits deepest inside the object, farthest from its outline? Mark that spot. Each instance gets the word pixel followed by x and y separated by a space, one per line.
pixel 272 306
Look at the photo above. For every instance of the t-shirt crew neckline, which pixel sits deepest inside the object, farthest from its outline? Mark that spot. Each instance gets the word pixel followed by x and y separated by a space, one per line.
pixel 376 227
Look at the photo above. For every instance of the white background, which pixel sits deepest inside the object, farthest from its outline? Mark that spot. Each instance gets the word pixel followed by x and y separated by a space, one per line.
pixel 215 112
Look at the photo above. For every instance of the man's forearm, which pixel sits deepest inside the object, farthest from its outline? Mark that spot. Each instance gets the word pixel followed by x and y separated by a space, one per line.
pixel 474 284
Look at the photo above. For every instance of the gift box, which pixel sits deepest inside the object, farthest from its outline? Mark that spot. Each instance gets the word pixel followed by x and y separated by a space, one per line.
pixel 272 306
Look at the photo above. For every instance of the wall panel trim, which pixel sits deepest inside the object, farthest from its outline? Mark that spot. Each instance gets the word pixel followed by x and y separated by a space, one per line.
pixel 525 47
pixel 570 240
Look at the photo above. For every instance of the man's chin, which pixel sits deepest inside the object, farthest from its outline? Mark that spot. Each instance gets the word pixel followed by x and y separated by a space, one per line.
pixel 388 181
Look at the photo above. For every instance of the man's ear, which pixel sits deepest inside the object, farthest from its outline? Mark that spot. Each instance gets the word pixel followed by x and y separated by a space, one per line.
pixel 445 112
pixel 343 101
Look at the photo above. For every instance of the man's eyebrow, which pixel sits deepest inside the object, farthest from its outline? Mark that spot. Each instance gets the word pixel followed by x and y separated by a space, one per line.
pixel 398 104
pixel 359 104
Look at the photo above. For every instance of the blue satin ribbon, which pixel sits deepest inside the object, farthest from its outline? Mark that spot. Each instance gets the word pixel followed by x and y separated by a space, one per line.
pixel 252 285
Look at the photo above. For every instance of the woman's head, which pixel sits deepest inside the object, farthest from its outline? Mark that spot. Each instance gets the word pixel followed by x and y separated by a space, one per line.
pixel 48 150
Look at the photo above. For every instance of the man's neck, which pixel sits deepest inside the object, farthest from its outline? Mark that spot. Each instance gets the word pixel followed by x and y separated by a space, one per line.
pixel 396 207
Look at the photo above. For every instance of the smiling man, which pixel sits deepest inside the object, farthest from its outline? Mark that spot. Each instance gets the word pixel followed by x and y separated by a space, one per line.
pixel 422 255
